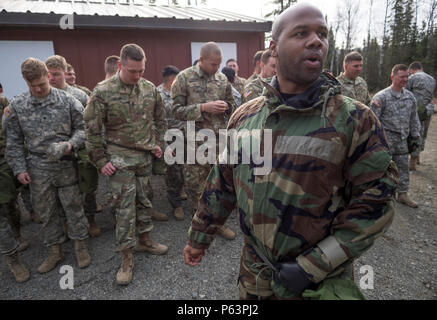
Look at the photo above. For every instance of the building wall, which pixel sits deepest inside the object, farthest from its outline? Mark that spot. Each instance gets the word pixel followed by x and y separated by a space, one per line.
pixel 86 50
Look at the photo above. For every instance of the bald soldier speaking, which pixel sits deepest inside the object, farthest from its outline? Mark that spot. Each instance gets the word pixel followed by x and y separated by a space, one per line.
pixel 329 193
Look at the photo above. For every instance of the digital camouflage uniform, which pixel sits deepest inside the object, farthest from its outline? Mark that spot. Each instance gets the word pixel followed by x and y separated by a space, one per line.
pixel 9 215
pixel 84 89
pixel 254 89
pixel 88 175
pixel 239 84
pixel 355 89
pixel 129 114
pixel 174 179
pixel 331 175
pixel 422 86
pixel 190 90
pixel 397 112
pixel 33 125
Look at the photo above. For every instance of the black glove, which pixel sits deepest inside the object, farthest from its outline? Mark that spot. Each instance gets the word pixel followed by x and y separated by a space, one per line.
pixel 292 276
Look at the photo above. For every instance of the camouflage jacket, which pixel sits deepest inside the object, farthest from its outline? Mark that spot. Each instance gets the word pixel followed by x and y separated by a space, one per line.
pixel 84 89
pixel 355 89
pixel 331 175
pixel 254 89
pixel 192 88
pixel 34 124
pixel 129 114
pixel 239 84
pixel 78 94
pixel 251 78
pixel 172 123
pixel 422 86
pixel 397 112
pixel 3 104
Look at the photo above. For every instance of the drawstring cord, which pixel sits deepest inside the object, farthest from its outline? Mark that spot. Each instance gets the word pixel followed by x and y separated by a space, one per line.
pixel 323 115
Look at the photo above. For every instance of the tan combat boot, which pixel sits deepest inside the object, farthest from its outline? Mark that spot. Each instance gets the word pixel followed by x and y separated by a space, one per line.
pixel 19 271
pixel 145 244
pixel 405 199
pixel 413 161
pixel 22 243
pixel 179 213
pixel 94 229
pixel 124 275
pixel 158 216
pixel 55 256
pixel 183 195
pixel 82 255
pixel 226 233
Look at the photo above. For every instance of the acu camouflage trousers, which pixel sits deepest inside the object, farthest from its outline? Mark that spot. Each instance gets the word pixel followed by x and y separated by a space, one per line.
pixel 399 152
pixel 129 189
pixel 424 126
pixel 55 190
pixel 174 179
pixel 195 177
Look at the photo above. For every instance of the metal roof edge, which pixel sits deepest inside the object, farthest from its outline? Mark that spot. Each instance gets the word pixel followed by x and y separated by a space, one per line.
pixel 10 19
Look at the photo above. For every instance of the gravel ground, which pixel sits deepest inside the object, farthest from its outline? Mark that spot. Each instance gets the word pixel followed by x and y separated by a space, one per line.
pixel 403 260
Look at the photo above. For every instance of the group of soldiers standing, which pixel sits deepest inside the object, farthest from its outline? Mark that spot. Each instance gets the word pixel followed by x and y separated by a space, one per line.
pixel 59 137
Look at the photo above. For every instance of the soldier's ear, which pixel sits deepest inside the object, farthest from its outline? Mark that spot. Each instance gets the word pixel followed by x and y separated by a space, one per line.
pixel 273 48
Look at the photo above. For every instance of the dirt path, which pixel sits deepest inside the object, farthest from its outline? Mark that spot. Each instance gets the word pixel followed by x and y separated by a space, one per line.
pixel 404 260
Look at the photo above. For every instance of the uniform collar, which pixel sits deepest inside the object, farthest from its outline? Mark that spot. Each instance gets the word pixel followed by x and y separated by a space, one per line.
pixel 35 101
pixel 203 74
pixel 346 79
pixel 397 94
pixel 125 88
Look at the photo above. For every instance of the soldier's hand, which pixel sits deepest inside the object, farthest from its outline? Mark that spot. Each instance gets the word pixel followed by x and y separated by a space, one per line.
pixel 24 178
pixel 158 152
pixel 108 170
pixel 214 107
pixel 67 152
pixel 192 255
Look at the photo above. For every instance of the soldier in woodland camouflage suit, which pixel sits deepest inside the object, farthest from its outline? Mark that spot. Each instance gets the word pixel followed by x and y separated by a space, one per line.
pixel 204 95
pixel 256 65
pixel 352 85
pixel 254 88
pixel 396 108
pixel 130 109
pixel 423 86
pixel 329 192
pixel 174 179
pixel 88 175
pixel 40 119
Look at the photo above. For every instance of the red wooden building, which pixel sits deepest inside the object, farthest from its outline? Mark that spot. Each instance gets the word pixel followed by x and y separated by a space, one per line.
pixel 167 34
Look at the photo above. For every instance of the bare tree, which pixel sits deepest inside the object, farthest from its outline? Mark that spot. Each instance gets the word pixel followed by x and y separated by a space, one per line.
pixel 348 13
pixel 388 4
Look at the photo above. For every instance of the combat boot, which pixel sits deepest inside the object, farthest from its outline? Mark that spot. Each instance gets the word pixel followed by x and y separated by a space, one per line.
pixel 55 256
pixel 82 255
pixel 19 271
pixel 22 243
pixel 413 161
pixel 226 233
pixel 94 229
pixel 405 199
pixel 124 275
pixel 179 213
pixel 183 195
pixel 158 216
pixel 145 244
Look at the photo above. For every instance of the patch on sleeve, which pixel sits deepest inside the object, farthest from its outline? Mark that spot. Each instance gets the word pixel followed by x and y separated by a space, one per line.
pixel 7 111
pixel 248 93
pixel 376 103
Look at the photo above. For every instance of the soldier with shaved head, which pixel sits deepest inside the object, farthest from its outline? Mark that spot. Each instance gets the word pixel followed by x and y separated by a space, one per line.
pixel 203 94
pixel 328 194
